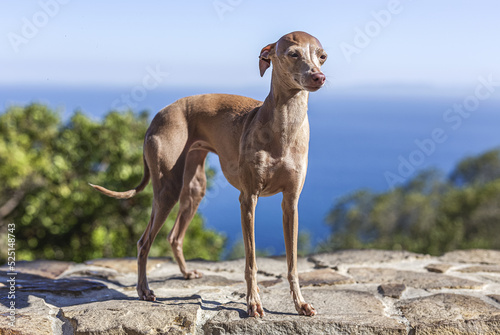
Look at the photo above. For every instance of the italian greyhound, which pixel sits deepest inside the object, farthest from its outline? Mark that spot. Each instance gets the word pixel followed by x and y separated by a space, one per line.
pixel 262 148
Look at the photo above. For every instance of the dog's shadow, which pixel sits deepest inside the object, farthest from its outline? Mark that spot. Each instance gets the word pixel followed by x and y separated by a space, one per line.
pixel 210 305
pixel 77 290
pixel 206 305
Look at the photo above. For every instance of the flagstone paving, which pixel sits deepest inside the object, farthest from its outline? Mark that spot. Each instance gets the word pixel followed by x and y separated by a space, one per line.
pixel 353 291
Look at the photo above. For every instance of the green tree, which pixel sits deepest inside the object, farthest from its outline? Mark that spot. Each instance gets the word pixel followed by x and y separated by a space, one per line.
pixel 482 169
pixel 45 166
pixel 428 214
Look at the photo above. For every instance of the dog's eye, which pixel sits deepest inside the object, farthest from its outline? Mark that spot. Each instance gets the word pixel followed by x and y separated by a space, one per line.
pixel 322 57
pixel 293 55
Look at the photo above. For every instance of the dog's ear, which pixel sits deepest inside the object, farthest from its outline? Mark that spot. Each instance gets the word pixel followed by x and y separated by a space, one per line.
pixel 265 59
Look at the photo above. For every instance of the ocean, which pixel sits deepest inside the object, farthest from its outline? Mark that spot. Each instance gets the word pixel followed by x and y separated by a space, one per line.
pixel 366 140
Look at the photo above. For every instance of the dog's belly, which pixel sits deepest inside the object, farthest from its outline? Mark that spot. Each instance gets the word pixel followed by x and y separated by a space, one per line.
pixel 230 170
pixel 229 167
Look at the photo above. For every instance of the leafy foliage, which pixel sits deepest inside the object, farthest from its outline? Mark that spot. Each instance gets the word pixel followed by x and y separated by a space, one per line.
pixel 477 170
pixel 45 166
pixel 429 214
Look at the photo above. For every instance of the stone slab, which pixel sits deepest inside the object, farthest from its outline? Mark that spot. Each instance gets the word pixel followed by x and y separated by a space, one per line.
pixel 479 256
pixel 178 281
pixel 35 318
pixel 133 317
pixel 269 283
pixel 489 279
pixel 411 278
pixel 438 267
pixel 62 286
pixel 392 290
pixel 349 257
pixel 277 266
pixel 339 312
pixel 61 303
pixel 29 283
pixel 481 268
pixel 323 277
pixel 43 268
pixel 446 314
pixel 232 266
pixel 268 267
pixel 129 264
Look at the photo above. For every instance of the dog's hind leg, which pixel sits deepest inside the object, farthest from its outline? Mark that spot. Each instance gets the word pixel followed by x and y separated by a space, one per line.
pixel 163 202
pixel 193 190
pixel 165 154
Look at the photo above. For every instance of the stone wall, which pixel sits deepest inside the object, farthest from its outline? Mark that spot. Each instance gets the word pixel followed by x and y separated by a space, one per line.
pixel 354 292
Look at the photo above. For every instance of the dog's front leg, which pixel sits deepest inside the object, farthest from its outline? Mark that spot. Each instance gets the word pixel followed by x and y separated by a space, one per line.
pixel 291 232
pixel 248 203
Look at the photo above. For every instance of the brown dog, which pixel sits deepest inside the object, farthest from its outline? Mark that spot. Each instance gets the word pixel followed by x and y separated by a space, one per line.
pixel 262 147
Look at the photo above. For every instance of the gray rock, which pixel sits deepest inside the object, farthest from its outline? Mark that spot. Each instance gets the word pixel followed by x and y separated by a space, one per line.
pixel 444 314
pixel 34 318
pixel 100 297
pixel 392 290
pixel 178 281
pixel 233 266
pixel 349 257
pixel 473 256
pixel 340 312
pixel 72 286
pixel 133 317
pixel 411 278
pixel 269 267
pixel 438 267
pixel 488 279
pixel 30 283
pixel 48 269
pixel 277 266
pixel 269 283
pixel 481 268
pixel 128 264
pixel 323 277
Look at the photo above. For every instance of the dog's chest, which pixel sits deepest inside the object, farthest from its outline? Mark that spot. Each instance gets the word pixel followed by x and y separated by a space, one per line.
pixel 276 173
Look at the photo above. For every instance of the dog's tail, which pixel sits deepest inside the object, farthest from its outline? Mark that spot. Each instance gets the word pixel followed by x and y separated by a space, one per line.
pixel 130 193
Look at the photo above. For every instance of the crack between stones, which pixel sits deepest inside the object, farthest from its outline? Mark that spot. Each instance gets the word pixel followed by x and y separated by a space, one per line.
pixel 392 312
pixel 201 319
pixel 492 302
pixel 268 274
pixel 60 325
pixel 203 316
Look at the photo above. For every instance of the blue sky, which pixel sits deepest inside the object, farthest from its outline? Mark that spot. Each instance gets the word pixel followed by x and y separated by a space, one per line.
pixel 215 43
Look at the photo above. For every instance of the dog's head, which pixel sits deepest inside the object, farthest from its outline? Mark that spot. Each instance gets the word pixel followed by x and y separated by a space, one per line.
pixel 298 58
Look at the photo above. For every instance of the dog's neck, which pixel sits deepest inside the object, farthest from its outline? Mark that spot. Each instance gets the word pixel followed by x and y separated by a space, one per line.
pixel 284 111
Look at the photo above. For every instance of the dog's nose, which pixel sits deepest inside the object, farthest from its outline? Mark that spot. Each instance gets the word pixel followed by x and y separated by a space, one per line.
pixel 318 78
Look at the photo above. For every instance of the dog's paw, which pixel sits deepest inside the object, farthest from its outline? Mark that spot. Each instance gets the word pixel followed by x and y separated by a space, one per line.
pixel 147 295
pixel 193 275
pixel 307 309
pixel 255 310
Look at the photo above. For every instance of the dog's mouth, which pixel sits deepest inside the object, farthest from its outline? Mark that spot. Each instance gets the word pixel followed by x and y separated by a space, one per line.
pixel 313 88
pixel 309 84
